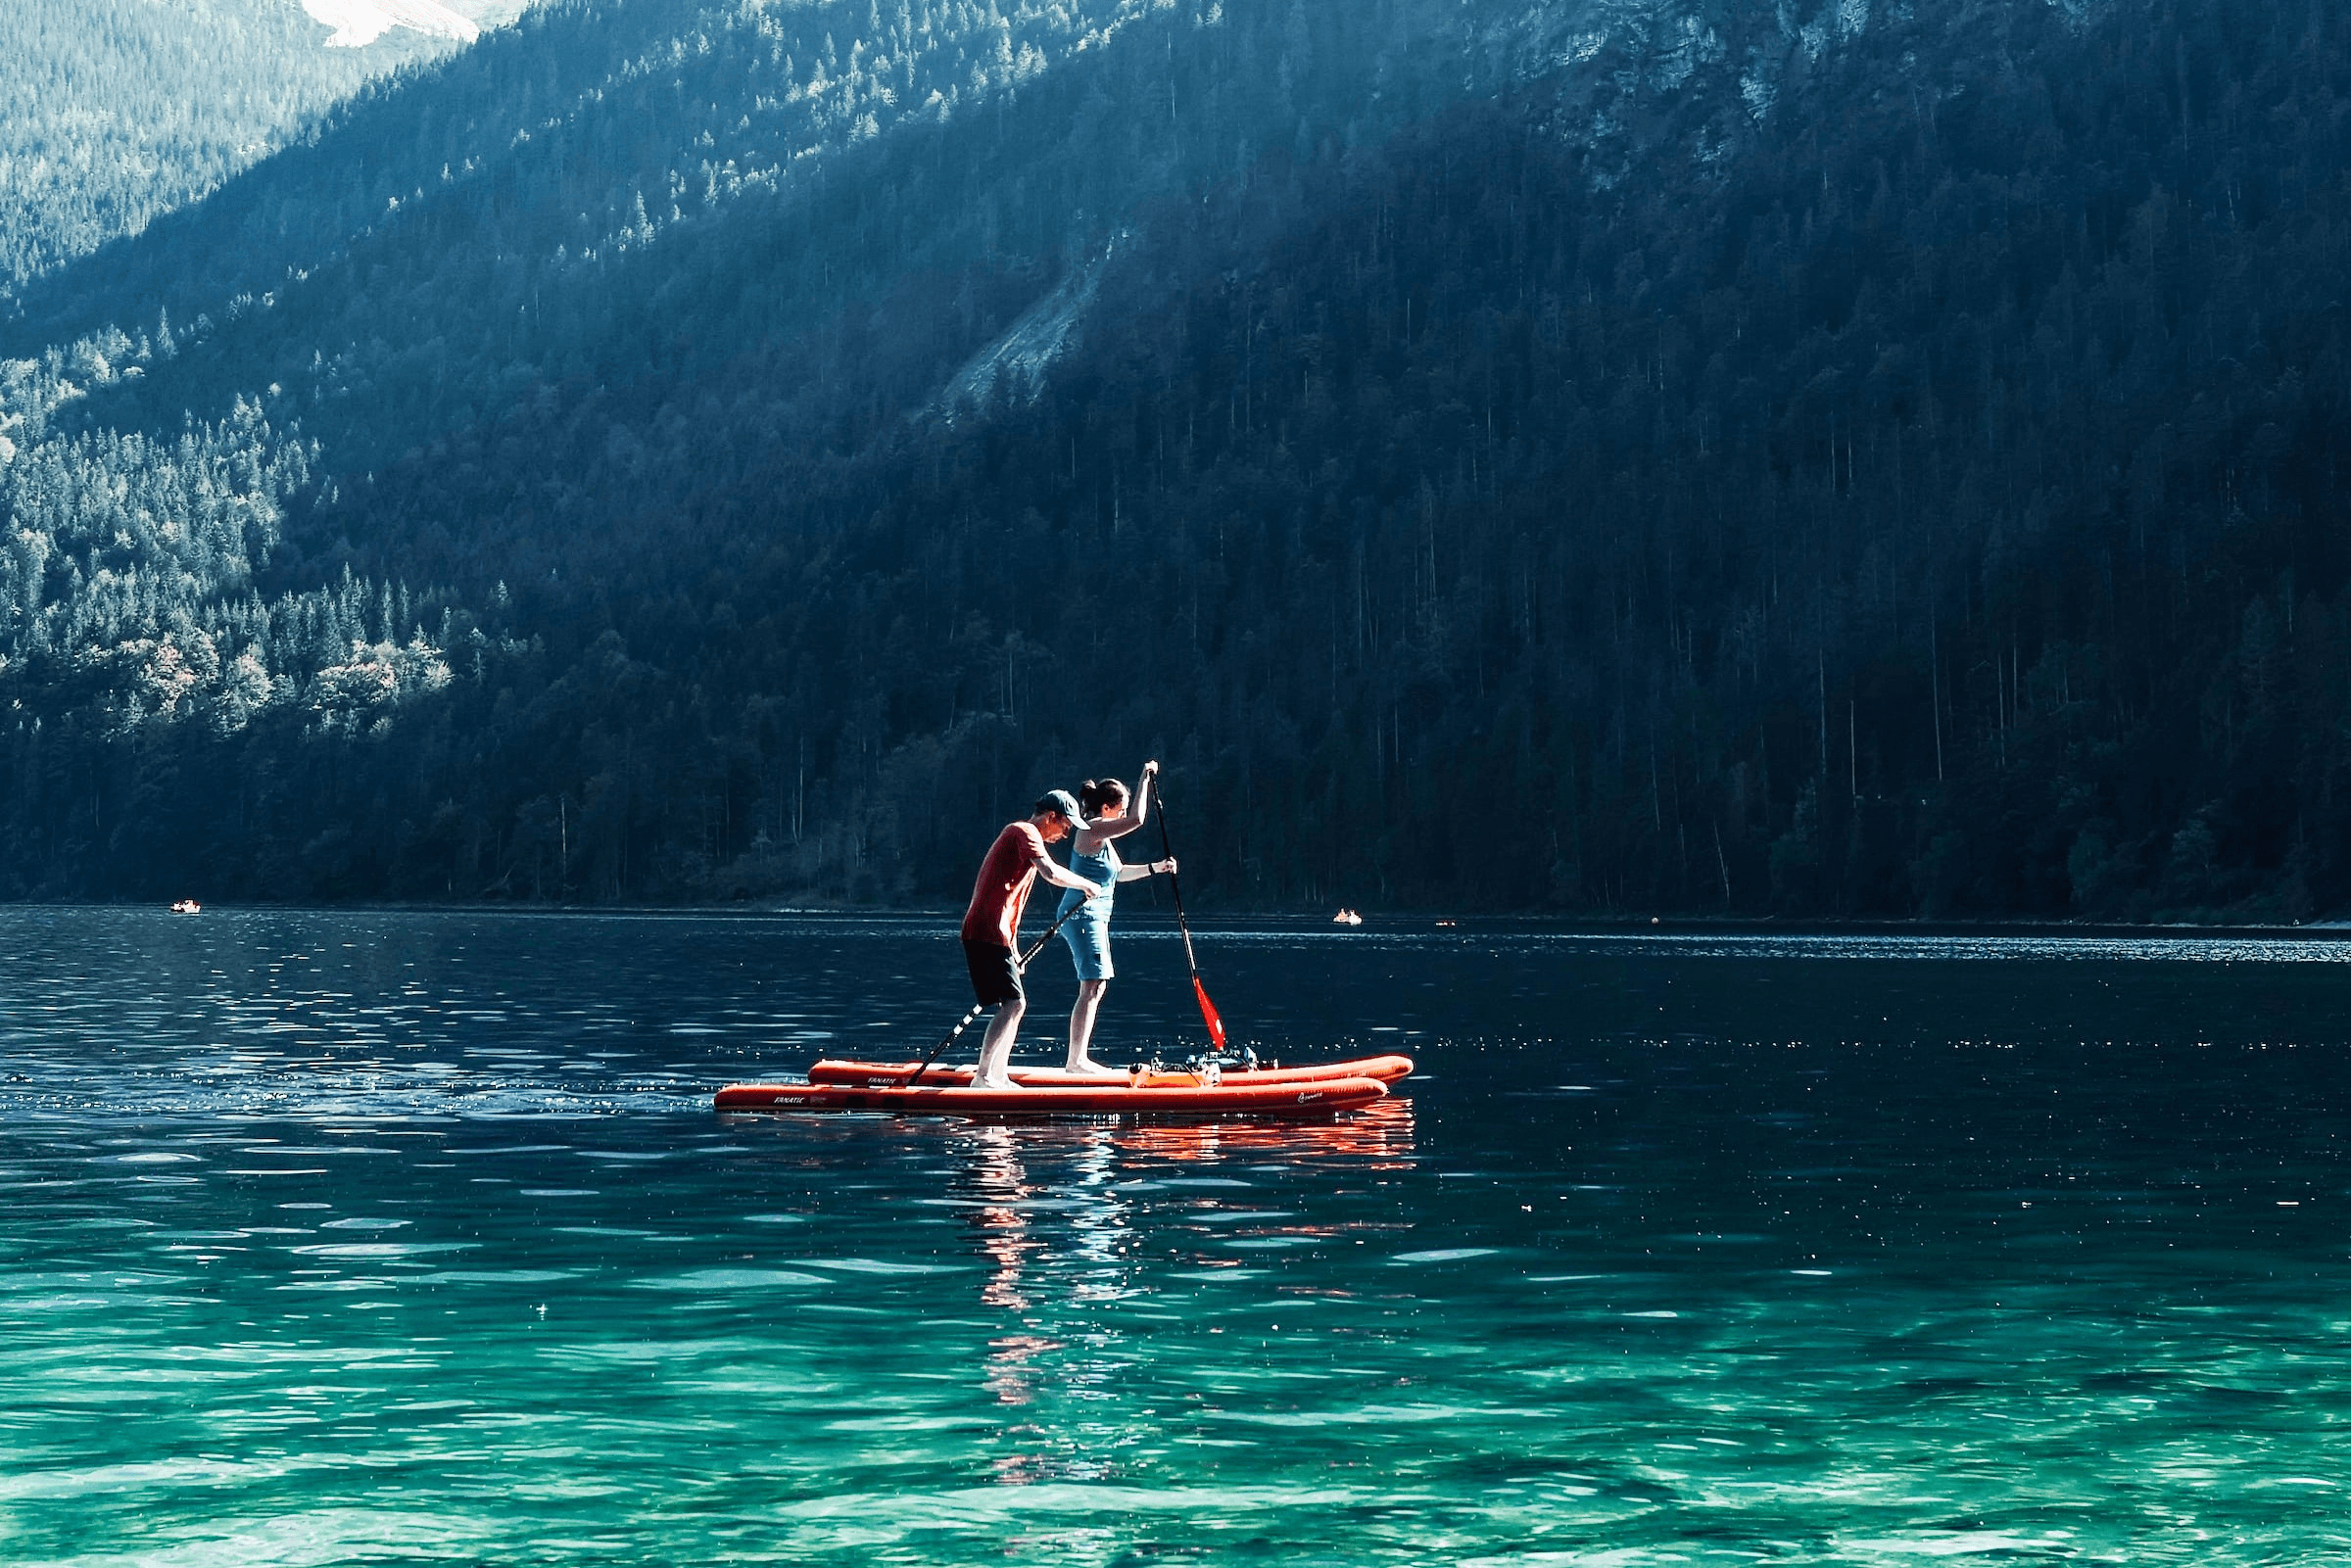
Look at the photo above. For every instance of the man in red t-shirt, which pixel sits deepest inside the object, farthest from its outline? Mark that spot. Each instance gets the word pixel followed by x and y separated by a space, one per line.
pixel 991 925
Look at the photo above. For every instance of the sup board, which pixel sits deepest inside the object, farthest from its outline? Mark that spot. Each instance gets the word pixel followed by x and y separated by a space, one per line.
pixel 1379 1068
pixel 1318 1098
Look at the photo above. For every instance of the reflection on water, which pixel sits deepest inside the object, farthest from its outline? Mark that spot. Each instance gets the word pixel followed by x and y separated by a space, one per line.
pixel 1004 1237
pixel 384 1237
pixel 1069 1240
pixel 1381 1133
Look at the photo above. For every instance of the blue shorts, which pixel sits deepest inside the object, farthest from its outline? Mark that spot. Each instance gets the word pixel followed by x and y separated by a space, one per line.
pixel 1088 932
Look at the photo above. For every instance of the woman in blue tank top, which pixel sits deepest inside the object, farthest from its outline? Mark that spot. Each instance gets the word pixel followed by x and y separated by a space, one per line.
pixel 1094 856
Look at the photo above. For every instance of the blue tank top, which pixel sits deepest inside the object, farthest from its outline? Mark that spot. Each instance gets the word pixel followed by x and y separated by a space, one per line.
pixel 1102 871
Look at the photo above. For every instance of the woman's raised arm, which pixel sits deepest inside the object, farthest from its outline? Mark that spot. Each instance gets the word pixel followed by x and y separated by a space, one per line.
pixel 1142 806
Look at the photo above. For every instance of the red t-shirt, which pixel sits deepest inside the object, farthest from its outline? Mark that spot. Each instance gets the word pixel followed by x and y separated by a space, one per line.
pixel 1002 891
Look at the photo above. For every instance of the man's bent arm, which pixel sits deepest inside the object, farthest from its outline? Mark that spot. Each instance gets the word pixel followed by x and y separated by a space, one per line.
pixel 1052 872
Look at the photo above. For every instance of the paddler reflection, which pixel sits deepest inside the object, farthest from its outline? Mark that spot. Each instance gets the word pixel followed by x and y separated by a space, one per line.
pixel 1003 1183
pixel 1091 1263
pixel 1005 1237
pixel 1063 1216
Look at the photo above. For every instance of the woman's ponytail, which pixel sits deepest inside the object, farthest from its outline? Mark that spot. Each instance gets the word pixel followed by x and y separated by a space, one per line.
pixel 1097 794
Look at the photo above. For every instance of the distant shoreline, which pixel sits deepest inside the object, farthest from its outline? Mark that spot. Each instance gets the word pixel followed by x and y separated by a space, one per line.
pixel 1417 921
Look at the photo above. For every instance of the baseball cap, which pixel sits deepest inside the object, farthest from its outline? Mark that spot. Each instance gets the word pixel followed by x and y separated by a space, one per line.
pixel 1063 801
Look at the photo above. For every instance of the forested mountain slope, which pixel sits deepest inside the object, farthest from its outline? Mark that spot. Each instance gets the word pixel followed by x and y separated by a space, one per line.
pixel 647 201
pixel 394 299
pixel 112 111
pixel 1599 457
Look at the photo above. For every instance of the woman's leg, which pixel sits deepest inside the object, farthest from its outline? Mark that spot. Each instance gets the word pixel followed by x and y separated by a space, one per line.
pixel 1081 1027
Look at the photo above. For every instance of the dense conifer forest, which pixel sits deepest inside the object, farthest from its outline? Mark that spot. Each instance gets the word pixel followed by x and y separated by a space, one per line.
pixel 1615 460
pixel 113 111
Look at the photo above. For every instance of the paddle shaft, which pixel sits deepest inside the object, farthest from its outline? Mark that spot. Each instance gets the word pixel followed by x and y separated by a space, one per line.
pixel 978 1008
pixel 1208 1012
pixel 1175 884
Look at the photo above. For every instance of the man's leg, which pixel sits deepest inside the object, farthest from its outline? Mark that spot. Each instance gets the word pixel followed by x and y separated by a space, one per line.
pixel 995 1052
pixel 1081 1027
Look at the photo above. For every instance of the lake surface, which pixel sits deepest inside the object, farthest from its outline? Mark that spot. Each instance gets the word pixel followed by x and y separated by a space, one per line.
pixel 353 1237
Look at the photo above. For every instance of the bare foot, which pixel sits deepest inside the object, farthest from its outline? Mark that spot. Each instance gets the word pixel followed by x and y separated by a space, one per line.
pixel 979 1082
pixel 1087 1067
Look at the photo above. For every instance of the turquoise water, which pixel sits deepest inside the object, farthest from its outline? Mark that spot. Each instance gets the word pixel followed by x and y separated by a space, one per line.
pixel 360 1237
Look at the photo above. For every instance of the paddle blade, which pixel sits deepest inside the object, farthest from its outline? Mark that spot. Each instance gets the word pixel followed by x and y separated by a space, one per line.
pixel 1208 1015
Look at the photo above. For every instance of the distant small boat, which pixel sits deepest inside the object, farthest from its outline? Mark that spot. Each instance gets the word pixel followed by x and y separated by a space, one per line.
pixel 1346 917
pixel 187 906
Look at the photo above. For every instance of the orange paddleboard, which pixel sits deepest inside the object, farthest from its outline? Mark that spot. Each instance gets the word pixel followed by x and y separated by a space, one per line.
pixel 1316 1097
pixel 1379 1068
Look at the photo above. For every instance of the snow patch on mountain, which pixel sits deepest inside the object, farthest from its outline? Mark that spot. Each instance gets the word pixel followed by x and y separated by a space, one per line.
pixel 359 22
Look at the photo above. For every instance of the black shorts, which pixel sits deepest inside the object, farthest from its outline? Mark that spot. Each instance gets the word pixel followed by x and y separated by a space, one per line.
pixel 995 978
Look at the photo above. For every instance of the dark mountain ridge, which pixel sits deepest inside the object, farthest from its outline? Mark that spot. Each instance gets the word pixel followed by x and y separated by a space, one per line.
pixel 2009 459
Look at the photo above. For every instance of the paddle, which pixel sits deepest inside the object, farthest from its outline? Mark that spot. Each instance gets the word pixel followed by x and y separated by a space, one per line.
pixel 978 1008
pixel 1207 1009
